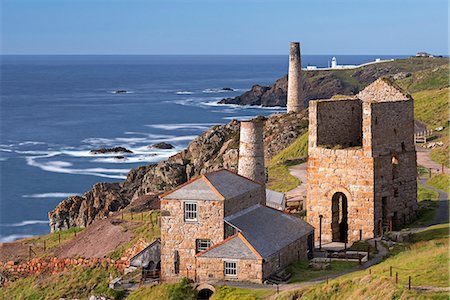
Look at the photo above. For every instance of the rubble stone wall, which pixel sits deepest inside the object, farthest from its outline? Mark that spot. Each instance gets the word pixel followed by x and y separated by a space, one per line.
pixel 296 251
pixel 339 123
pixel 212 270
pixel 178 235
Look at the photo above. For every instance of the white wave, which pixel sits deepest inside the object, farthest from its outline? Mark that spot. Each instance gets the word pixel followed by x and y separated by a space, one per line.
pixel 130 160
pixel 239 118
pixel 184 93
pixel 25 223
pixel 13 237
pixel 126 92
pixel 199 126
pixel 30 143
pixel 50 195
pixel 217 90
pixel 62 167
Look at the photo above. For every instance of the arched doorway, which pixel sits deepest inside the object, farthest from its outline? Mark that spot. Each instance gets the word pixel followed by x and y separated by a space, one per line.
pixel 339 218
pixel 204 294
pixel 205 291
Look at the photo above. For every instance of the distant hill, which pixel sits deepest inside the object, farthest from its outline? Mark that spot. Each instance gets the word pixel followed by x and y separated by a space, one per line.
pixel 416 74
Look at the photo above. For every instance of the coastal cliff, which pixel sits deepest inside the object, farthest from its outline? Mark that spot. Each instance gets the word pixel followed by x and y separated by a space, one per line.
pixel 323 84
pixel 214 149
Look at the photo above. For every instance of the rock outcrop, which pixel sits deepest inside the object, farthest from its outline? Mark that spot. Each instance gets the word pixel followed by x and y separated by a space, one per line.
pixel 214 149
pixel 111 150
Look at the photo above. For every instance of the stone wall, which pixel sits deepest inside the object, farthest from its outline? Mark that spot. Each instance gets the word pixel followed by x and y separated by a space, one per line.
pixel 178 235
pixel 212 270
pixel 296 251
pixel 349 172
pixel 339 123
pixel 234 205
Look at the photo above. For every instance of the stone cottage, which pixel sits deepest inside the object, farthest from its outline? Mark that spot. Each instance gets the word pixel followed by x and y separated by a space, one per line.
pixel 361 164
pixel 216 227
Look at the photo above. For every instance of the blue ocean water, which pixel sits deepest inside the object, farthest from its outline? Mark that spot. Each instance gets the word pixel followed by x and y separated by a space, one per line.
pixel 54 109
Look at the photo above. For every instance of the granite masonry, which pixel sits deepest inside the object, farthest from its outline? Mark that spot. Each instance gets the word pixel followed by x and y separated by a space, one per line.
pixel 361 164
pixel 294 90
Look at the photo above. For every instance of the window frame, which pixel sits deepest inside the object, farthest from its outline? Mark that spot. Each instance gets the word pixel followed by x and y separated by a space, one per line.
pixel 199 249
pixel 186 211
pixel 225 268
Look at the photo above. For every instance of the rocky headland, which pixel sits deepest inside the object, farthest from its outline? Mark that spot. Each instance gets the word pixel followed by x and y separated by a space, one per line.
pixel 214 149
pixel 323 84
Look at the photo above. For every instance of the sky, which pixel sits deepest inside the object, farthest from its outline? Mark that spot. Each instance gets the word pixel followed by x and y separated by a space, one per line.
pixel 223 26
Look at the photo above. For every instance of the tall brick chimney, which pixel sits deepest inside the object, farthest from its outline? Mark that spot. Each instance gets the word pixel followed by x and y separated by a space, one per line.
pixel 294 99
pixel 251 150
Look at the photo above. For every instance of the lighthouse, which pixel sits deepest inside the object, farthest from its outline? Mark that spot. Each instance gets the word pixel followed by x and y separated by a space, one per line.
pixel 333 63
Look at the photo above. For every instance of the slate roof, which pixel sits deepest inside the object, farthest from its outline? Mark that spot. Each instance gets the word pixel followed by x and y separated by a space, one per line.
pixel 274 198
pixel 268 230
pixel 234 247
pixel 218 185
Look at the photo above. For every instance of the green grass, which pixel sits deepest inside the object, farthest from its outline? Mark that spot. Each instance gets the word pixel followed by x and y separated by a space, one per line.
pixel 176 291
pixel 278 168
pixel 426 194
pixel 232 293
pixel 146 231
pixel 431 107
pixel 441 155
pixel 51 240
pixel 76 283
pixel 426 261
pixel 302 272
pixel 440 181
pixel 428 79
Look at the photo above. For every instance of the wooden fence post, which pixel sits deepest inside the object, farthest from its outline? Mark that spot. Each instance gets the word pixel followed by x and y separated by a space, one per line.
pixel 59 237
pixel 409 282
pixel 390 271
pixel 45 246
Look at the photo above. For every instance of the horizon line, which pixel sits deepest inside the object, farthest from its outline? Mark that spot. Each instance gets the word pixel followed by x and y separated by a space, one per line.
pixel 201 54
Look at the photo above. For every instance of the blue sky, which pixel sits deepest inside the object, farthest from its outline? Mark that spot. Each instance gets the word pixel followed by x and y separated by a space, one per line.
pixel 223 26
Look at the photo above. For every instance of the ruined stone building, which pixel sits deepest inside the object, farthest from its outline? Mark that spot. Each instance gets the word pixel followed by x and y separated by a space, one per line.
pixel 216 227
pixel 361 164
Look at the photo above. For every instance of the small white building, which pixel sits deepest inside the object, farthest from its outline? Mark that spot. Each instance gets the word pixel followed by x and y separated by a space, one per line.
pixel 333 62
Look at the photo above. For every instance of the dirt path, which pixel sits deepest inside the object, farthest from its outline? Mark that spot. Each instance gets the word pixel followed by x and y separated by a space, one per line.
pixel 299 193
pixel 423 159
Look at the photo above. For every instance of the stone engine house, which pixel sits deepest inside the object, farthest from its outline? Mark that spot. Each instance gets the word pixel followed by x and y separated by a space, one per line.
pixel 361 164
pixel 216 227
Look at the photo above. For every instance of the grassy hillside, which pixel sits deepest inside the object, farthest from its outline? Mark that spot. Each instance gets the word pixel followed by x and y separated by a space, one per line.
pixel 426 260
pixel 75 283
pixel 278 167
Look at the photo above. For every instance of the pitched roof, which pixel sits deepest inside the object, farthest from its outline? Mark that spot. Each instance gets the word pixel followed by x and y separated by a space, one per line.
pixel 218 185
pixel 268 230
pixel 234 247
pixel 275 198
pixel 383 90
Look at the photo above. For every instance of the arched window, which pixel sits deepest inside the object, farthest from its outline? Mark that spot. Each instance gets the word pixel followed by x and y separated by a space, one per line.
pixel 394 162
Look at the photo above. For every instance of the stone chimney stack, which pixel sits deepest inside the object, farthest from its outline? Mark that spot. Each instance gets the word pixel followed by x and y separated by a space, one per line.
pixel 251 150
pixel 294 99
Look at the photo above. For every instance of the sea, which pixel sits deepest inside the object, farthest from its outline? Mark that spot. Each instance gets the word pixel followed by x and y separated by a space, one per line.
pixel 55 109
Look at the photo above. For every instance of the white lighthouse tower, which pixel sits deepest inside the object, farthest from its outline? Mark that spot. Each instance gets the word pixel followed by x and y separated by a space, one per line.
pixel 333 63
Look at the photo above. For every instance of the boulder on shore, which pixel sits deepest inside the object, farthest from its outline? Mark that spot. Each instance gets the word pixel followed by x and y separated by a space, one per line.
pixel 162 145
pixel 111 150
